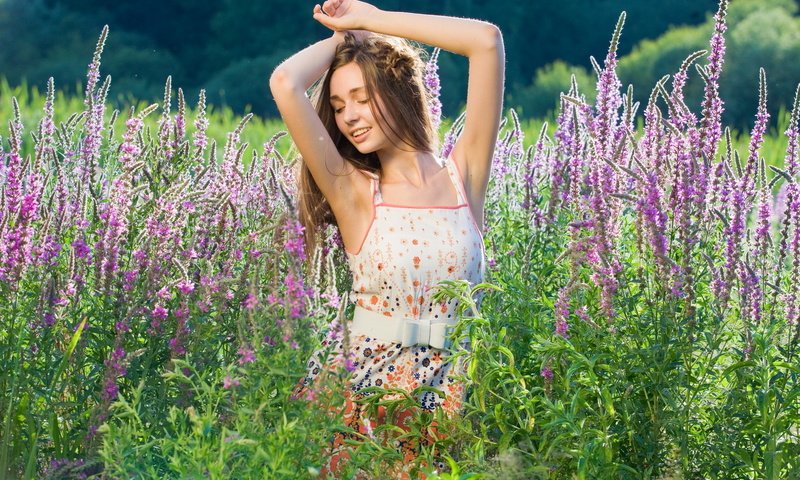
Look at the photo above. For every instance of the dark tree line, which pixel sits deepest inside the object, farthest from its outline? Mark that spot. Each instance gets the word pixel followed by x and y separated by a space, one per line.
pixel 229 47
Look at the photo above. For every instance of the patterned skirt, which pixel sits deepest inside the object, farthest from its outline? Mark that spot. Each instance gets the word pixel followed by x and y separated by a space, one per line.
pixel 376 366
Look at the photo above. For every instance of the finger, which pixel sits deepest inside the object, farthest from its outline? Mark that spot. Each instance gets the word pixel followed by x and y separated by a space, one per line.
pixel 329 8
pixel 325 20
pixel 332 7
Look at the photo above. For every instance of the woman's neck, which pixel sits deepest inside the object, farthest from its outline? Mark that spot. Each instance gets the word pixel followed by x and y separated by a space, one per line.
pixel 414 168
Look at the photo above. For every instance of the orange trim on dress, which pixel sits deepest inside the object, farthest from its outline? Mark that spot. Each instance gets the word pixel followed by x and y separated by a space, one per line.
pixel 423 207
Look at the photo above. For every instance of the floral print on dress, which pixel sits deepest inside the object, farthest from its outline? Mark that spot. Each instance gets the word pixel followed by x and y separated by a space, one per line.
pixel 406 252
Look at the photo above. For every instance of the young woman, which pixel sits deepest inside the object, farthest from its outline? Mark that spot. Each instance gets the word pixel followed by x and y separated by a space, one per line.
pixel 408 219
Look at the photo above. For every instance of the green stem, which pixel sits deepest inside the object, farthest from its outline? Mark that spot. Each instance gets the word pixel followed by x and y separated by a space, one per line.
pixel 6 439
pixel 32 450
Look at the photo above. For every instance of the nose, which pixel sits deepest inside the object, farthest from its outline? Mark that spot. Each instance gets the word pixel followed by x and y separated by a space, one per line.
pixel 351 113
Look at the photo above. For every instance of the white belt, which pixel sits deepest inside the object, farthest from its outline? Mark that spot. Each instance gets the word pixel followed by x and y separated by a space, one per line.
pixel 405 331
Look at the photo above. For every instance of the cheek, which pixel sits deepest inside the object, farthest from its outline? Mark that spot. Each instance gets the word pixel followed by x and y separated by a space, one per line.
pixel 381 118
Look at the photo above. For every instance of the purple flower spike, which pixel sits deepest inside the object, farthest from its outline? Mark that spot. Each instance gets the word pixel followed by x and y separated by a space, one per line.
pixel 200 139
pixel 432 85
pixel 713 106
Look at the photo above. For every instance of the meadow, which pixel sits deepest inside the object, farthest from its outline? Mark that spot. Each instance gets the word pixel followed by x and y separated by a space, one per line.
pixel 640 318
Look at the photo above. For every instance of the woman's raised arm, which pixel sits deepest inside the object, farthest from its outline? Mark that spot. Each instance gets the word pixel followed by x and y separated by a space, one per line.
pixel 480 42
pixel 289 83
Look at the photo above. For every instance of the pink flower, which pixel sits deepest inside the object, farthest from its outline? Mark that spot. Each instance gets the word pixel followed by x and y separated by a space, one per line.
pixel 334 301
pixel 82 250
pixel 203 305
pixel 229 382
pixel 547 373
pixel 159 312
pixel 164 293
pixel 250 301
pixel 185 287
pixel 350 365
pixel 246 355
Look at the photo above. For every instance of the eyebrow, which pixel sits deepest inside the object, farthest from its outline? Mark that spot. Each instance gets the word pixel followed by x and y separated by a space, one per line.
pixel 352 90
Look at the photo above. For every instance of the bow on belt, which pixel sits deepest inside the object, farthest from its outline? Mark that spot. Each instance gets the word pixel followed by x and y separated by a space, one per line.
pixel 405 331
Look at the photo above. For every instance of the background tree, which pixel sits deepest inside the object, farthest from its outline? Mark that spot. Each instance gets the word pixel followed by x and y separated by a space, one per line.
pixel 229 47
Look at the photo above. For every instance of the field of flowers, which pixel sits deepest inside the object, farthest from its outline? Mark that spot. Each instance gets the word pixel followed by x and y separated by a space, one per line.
pixel 640 318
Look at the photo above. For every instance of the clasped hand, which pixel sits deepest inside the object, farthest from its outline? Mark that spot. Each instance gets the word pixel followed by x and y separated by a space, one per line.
pixel 341 15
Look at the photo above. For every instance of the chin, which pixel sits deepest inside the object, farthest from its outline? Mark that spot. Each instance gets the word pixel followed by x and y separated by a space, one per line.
pixel 364 149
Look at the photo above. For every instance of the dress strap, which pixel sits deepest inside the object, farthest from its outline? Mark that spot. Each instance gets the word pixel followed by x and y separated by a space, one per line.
pixel 455 177
pixel 376 191
pixel 375 187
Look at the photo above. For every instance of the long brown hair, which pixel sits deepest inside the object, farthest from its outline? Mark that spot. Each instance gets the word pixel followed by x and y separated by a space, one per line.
pixel 393 71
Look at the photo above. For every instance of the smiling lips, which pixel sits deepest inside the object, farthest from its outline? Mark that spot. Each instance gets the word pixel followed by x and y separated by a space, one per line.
pixel 359 134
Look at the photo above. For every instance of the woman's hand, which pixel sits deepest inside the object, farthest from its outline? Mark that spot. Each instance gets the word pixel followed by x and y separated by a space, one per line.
pixel 340 15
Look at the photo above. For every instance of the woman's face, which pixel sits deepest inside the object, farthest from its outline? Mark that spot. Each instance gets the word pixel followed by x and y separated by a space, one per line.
pixel 351 107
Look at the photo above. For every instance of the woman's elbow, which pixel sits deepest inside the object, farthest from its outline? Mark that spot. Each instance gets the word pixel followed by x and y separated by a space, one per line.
pixel 491 38
pixel 280 81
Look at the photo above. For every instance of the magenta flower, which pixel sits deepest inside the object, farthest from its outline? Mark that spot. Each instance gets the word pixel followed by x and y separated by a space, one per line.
pixel 349 364
pixel 246 355
pixel 82 250
pixel 562 311
pixel 250 301
pixel 295 241
pixel 128 278
pixel 562 328
pixel 200 140
pixel 547 373
pixel 114 368
pixel 159 312
pixel 185 286
pixel 164 293
pixel 229 382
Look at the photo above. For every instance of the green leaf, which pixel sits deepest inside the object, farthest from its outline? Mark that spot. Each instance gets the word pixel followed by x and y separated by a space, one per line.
pixel 737 366
pixel 609 402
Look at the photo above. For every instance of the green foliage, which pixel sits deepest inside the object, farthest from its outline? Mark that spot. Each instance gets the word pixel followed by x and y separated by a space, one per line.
pixel 752 46
pixel 541 98
pixel 250 430
pixel 241 86
pixel 658 394
pixel 652 59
